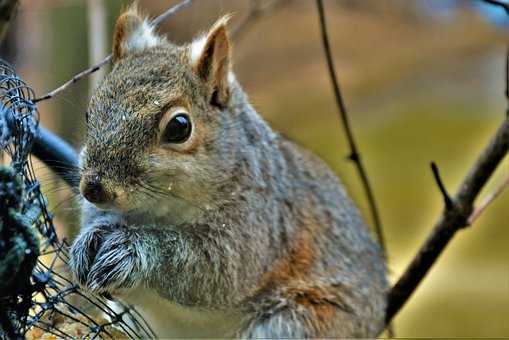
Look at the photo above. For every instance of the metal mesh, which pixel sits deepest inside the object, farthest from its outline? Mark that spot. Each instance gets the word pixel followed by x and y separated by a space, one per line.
pixel 37 297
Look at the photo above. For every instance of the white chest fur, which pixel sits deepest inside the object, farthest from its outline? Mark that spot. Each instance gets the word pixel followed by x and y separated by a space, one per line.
pixel 170 320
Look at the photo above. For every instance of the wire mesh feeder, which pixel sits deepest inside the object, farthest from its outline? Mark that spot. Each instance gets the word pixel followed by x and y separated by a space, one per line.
pixel 37 298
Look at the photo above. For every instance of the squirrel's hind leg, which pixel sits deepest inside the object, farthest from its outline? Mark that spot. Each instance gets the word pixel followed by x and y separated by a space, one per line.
pixel 301 317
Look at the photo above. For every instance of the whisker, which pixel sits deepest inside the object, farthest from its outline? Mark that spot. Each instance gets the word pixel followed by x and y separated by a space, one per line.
pixel 67 199
pixel 164 193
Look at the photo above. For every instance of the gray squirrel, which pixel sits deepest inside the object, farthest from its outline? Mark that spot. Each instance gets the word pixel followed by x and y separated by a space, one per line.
pixel 200 215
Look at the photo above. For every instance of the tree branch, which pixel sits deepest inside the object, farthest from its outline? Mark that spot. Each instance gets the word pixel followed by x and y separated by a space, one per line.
pixel 256 11
pixel 451 220
pixel 157 21
pixel 354 153
pixel 447 199
pixel 458 212
pixel 487 201
pixel 503 185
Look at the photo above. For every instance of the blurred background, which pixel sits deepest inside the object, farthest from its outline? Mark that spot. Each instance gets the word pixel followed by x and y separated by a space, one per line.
pixel 423 80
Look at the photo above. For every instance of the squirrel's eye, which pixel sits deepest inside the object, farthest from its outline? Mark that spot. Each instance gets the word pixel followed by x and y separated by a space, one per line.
pixel 178 129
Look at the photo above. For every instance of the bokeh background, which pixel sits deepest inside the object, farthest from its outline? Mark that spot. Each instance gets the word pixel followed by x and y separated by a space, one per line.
pixel 423 80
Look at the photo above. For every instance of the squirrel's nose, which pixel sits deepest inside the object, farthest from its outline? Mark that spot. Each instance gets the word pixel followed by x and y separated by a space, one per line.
pixel 93 190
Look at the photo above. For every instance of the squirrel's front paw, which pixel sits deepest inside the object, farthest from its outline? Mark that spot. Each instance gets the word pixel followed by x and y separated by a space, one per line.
pixel 84 251
pixel 106 261
pixel 116 265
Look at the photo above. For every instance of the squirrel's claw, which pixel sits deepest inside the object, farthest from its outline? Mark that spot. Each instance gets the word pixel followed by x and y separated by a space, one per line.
pixel 83 253
pixel 115 265
pixel 102 259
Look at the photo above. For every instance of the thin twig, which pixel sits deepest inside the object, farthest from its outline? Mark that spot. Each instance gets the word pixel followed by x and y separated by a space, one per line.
pixel 504 184
pixel 158 20
pixel 487 200
pixel 447 199
pixel 354 153
pixel 170 11
pixel 459 211
pixel 450 221
pixel 459 214
pixel 74 79
pixel 256 11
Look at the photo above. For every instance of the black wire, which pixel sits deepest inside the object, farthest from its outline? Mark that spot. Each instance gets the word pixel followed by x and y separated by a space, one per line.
pixel 60 294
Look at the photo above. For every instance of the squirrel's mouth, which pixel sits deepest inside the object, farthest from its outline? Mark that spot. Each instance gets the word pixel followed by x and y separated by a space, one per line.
pixel 108 196
pixel 142 206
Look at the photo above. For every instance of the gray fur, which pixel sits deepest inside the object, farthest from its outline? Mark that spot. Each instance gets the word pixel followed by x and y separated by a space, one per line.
pixel 236 210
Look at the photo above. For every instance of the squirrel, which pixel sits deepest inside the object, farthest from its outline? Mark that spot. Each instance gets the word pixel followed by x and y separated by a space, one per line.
pixel 201 216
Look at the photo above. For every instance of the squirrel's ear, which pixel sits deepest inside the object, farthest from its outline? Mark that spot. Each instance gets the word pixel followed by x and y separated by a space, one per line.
pixel 210 59
pixel 133 32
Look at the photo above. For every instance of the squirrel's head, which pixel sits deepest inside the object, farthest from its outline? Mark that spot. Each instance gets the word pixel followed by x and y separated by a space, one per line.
pixel 158 125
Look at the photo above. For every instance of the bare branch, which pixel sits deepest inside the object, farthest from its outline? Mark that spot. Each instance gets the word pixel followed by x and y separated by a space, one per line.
pixel 256 11
pixel 450 221
pixel 458 212
pixel 74 79
pixel 447 199
pixel 170 11
pixel 7 10
pixel 498 190
pixel 354 153
pixel 487 200
pixel 158 20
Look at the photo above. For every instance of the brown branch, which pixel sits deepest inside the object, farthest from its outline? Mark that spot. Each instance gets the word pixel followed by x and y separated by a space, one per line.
pixel 354 152
pixel 458 212
pixel 7 10
pixel 256 11
pixel 158 20
pixel 170 11
pixel 447 199
pixel 501 187
pixel 452 219
pixel 488 200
